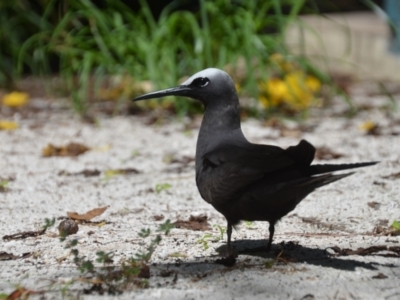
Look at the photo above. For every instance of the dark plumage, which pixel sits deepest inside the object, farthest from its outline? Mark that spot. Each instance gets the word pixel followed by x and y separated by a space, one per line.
pixel 246 181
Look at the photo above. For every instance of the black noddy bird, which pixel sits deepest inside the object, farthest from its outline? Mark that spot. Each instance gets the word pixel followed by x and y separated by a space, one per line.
pixel 241 180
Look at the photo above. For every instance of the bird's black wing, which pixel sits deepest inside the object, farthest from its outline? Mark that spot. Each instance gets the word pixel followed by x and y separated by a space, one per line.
pixel 228 170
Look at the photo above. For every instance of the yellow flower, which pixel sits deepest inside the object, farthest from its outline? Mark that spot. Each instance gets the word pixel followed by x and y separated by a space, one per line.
pixel 313 83
pixel 8 125
pixel 15 99
pixel 237 87
pixel 283 64
pixel 277 90
pixel 264 101
pixel 368 126
pixel 296 90
pixel 299 96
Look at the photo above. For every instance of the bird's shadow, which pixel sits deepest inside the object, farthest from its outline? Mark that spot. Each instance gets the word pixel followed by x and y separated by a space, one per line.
pixel 293 252
pixel 290 253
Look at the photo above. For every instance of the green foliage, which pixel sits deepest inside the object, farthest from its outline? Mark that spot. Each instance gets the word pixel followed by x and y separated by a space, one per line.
pixel 221 230
pixel 3 184
pixel 249 223
pixel 103 257
pixel 93 43
pixel 204 240
pixel 210 237
pixel 144 233
pixel 166 227
pixel 148 252
pixel 269 263
pixel 48 223
pixel 114 279
pixel 162 186
pixel 70 244
pixel 396 226
pixel 17 22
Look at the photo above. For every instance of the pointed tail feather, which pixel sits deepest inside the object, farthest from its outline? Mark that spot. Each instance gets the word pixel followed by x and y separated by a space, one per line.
pixel 321 169
pixel 318 181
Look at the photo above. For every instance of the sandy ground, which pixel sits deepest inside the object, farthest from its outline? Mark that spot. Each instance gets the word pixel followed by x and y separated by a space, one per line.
pixel 344 214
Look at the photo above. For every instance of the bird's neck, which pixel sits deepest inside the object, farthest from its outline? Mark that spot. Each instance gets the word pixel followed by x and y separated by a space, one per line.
pixel 220 126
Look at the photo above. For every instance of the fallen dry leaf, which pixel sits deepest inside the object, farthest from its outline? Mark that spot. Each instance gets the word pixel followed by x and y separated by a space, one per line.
pixel 158 217
pixel 294 133
pixel 172 159
pixel 144 271
pixel 113 172
pixel 71 149
pixel 392 176
pixel 8 125
pixel 88 215
pixel 23 235
pixel 374 204
pixel 86 173
pixel 15 99
pixel 384 230
pixel 100 224
pixel 380 276
pixel 373 250
pixel 324 153
pixel 10 256
pixel 194 223
pixel 370 128
pixel 21 293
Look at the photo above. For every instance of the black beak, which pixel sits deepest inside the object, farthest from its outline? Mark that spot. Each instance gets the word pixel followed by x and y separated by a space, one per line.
pixel 181 90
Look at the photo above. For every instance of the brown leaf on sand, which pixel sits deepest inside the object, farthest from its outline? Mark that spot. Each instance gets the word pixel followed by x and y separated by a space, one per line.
pixel 71 149
pixel 86 173
pixel 380 276
pixel 326 154
pixel 24 235
pixel 10 256
pixel 144 271
pixel 194 223
pixel 387 251
pixel 392 176
pixel 88 215
pixel 21 293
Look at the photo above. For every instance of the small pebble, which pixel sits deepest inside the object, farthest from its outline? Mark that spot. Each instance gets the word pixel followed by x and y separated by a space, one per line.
pixel 67 227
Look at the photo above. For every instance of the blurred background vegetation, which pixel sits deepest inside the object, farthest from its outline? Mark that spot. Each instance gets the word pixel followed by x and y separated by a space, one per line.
pixel 113 50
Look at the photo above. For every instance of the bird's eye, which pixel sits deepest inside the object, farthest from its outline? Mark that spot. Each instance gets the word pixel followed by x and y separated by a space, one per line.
pixel 201 82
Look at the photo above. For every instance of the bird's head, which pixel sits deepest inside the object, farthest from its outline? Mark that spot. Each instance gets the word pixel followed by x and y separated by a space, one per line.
pixel 210 86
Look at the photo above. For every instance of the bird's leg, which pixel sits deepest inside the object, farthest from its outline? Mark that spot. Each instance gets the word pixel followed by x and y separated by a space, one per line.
pixel 271 235
pixel 229 233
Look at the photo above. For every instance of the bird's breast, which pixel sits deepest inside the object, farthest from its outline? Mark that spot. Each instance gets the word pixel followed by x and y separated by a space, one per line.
pixel 204 184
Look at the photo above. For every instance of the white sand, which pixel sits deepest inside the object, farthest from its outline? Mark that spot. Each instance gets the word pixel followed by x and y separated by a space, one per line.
pixel 341 209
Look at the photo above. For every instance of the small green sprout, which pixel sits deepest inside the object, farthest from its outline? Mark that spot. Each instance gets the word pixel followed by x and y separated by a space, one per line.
pixel 249 223
pixel 3 185
pixel 269 263
pixel 166 227
pixel 135 153
pixel 396 226
pixel 188 133
pixel 144 233
pixel 222 231
pixel 48 223
pixel 204 240
pixel 104 257
pixel 162 186
pixel 178 255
